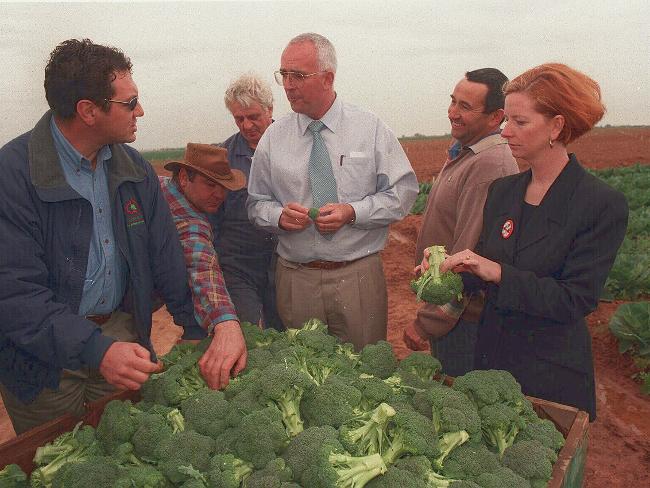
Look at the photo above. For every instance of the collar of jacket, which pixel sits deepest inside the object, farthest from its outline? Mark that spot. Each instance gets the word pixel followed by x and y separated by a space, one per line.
pixel 47 175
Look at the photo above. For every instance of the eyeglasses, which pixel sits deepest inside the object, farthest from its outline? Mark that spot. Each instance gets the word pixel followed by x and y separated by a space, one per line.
pixel 281 77
pixel 129 103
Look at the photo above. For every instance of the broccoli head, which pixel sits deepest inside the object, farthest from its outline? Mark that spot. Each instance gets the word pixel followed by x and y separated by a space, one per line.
pixel 184 449
pixel 469 461
pixel 318 460
pixel 543 431
pixel 500 424
pixel 228 471
pixel 378 360
pixel 434 287
pixel 260 437
pixel 334 403
pixel 283 385
pixel 410 433
pixel 421 364
pixel 532 461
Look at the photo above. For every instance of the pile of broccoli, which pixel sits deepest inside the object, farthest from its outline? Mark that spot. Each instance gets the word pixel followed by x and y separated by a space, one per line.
pixel 311 412
pixel 434 287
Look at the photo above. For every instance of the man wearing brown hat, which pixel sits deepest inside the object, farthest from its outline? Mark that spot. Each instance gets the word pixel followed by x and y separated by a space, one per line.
pixel 198 186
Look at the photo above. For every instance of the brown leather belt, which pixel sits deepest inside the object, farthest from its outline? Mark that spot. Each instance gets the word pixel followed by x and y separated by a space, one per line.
pixel 99 319
pixel 325 264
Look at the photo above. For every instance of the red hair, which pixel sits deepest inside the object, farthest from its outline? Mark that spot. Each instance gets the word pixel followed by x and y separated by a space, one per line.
pixel 560 90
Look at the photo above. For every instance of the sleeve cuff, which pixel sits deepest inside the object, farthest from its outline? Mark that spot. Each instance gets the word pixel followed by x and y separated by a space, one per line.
pixel 219 320
pixel 95 349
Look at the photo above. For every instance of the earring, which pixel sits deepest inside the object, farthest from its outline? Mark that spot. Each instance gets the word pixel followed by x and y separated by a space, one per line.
pixel 550 143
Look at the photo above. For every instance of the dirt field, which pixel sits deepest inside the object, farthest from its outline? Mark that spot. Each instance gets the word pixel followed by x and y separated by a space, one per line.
pixel 619 446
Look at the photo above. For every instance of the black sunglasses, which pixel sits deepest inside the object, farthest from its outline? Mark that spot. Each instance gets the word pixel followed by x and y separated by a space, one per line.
pixel 129 103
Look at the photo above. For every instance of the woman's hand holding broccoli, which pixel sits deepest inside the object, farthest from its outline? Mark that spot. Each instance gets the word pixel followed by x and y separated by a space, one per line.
pixel 469 262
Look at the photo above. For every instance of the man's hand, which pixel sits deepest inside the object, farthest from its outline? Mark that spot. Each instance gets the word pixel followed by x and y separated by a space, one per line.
pixel 126 365
pixel 413 339
pixel 333 216
pixel 226 354
pixel 294 217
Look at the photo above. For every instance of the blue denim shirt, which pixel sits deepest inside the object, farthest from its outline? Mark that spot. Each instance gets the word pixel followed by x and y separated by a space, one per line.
pixel 106 271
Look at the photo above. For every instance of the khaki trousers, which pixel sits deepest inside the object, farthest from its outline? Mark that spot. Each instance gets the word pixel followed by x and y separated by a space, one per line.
pixel 76 388
pixel 351 300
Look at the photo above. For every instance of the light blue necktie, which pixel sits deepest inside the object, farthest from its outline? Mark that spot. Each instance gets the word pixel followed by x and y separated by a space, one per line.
pixel 321 176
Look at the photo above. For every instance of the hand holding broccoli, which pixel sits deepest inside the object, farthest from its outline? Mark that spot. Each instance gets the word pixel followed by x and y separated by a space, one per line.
pixel 434 286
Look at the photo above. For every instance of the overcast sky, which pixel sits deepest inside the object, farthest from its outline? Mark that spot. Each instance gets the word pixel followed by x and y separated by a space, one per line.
pixel 398 59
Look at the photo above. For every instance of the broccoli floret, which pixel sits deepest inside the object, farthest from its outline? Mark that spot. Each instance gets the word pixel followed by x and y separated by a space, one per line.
pixel 543 431
pixel 94 471
pixel 283 386
pixel 318 460
pixel 366 434
pixel 177 352
pixel 434 287
pixel 174 385
pixel 397 478
pixel 469 461
pixel 500 424
pixel 317 341
pixel 373 391
pixel 408 383
pixel 143 476
pixel 313 324
pixel 228 471
pixel 261 436
pixel 410 433
pixel 12 476
pixel 467 484
pixel 421 364
pixel 346 350
pixel 500 478
pixel 486 387
pixel 74 446
pixel 207 412
pixel 259 358
pixel 420 466
pixel 450 411
pixel 378 360
pixel 117 425
pixel 256 337
pixel 532 461
pixel 187 448
pixel 333 403
pixel 273 475
pixel 152 428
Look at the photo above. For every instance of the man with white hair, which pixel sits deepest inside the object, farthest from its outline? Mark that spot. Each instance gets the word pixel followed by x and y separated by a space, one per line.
pixel 246 254
pixel 328 179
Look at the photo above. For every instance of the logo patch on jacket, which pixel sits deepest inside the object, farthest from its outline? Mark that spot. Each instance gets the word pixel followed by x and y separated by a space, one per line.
pixel 133 213
pixel 507 229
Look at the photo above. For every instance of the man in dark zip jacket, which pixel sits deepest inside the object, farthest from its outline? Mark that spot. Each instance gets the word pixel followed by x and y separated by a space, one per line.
pixel 87 240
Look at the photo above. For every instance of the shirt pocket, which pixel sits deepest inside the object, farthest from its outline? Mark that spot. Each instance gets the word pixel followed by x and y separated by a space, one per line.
pixel 357 176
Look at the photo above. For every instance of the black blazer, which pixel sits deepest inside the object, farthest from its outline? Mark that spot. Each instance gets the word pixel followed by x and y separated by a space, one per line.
pixel 553 272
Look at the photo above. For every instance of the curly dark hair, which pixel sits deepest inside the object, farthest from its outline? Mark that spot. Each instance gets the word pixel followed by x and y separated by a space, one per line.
pixel 81 70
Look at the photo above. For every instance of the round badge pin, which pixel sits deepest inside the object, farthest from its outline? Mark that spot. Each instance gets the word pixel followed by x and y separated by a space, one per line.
pixel 507 229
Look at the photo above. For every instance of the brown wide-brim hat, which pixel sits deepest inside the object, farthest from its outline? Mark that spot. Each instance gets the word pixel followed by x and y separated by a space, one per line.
pixel 212 162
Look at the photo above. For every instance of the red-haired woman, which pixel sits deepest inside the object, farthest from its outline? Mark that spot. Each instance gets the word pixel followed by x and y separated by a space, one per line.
pixel 549 239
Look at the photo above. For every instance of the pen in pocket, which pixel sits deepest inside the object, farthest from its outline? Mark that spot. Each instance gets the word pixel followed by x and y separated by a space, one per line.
pixel 341 160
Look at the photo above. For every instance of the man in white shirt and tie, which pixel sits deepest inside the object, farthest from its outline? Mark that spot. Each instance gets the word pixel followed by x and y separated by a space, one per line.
pixel 345 165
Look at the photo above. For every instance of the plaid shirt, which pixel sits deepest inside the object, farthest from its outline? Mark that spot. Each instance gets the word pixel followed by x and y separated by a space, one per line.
pixel 212 303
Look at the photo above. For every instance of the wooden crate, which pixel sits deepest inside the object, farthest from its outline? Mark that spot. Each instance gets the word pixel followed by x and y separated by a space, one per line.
pixel 568 471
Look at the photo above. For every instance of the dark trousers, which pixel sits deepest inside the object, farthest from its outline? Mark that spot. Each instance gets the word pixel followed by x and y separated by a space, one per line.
pixel 455 351
pixel 253 295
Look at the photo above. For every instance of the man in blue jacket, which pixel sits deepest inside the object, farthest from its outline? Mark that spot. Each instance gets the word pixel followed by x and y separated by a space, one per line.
pixel 87 240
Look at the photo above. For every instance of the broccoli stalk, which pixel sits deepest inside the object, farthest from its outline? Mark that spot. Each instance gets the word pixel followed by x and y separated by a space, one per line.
pixel 370 436
pixel 353 472
pixel 70 447
pixel 410 433
pixel 447 443
pixel 433 287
